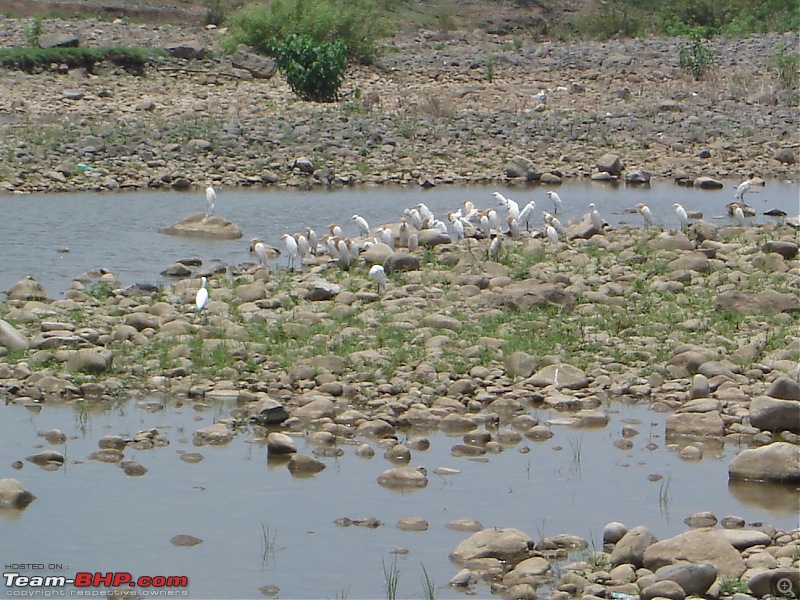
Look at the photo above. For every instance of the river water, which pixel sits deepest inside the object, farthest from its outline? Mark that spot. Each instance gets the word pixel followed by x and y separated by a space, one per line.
pixel 88 516
pixel 120 231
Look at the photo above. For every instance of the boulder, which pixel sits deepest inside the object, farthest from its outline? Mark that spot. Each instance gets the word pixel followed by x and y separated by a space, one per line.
pixel 280 444
pixel 562 376
pixel 401 262
pixel 521 167
pixel 784 389
pixel 696 546
pixel 776 462
pixel 695 425
pixel 772 414
pixel 775 583
pixel 11 338
pixel 707 183
pixel 13 495
pixel 694 579
pixel 58 40
pixel 520 364
pixel 260 67
pixel 320 290
pixel 504 544
pixel 404 477
pixel 610 163
pixel 269 412
pixel 665 588
pixel 303 464
pixel 198 225
pixel 189 50
pixel 217 434
pixel 766 300
pixel 787 250
pixel 631 547
pixel 27 289
pixel 91 360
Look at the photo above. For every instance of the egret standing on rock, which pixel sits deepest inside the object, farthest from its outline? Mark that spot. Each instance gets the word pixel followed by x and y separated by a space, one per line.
pixel 201 298
pixel 682 216
pixel 291 249
pixel 738 214
pixel 526 214
pixel 361 224
pixel 260 250
pixel 743 188
pixel 595 218
pixel 644 210
pixel 211 199
pixel 557 206
pixel 378 275
pixel 552 235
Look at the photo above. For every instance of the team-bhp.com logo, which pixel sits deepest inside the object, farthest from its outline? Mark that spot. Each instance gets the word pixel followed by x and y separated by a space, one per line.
pixel 88 584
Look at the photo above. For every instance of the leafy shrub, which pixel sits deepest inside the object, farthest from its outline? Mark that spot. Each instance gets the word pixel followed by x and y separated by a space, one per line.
pixel 34 31
pixel 31 59
pixel 785 64
pixel 215 12
pixel 696 58
pixel 357 23
pixel 314 70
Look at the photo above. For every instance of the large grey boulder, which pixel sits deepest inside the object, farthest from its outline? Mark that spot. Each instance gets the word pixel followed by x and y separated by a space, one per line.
pixel 767 300
pixel 695 425
pixel 58 40
pixel 777 462
pixel 13 495
pixel 27 289
pixel 631 547
pixel 260 67
pixel 694 579
pixel 12 338
pixel 610 163
pixel 505 544
pixel 198 225
pixel 772 414
pixel 784 389
pixel 697 546
pixel 217 434
pixel 91 360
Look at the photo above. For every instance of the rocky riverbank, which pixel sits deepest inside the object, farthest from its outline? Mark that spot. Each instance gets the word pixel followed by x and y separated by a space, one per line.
pixel 700 324
pixel 437 108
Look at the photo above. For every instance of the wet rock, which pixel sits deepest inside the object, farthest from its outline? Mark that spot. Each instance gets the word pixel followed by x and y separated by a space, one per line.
pixel 697 546
pixel 198 225
pixel 412 524
pixel 562 376
pixel 694 425
pixel 771 414
pixel 521 167
pixel 185 540
pixel 270 590
pixel 191 457
pixel 505 544
pixel 398 453
pixel 12 338
pixel 48 459
pixel 116 442
pixel 530 571
pixel 631 547
pixel 691 453
pixel 132 468
pixel 280 444
pixel 303 464
pixel 107 455
pixel 707 183
pixel 638 177
pixel 270 412
pixel 777 462
pixel 13 495
pixel 741 539
pixel 732 522
pixel 315 409
pixel 701 519
pixel 471 525
pixel 368 522
pixel 217 434
pixel 404 477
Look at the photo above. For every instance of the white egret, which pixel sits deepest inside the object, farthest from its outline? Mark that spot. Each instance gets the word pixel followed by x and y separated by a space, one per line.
pixel 424 211
pixel 313 240
pixel 738 214
pixel 494 219
pixel 595 218
pixel 512 208
pixel 403 233
pixel 494 248
pixel 458 230
pixel 335 230
pixel 541 96
pixel 386 236
pixel 552 235
pixel 302 246
pixel 414 217
pixel 361 224
pixel 526 214
pixel 291 250
pixel 485 225
pixel 378 275
pixel 211 200
pixel 260 250
pixel 513 226
pixel 556 199
pixel 343 252
pixel 644 210
pixel 682 216
pixel 201 298
pixel 470 212
pixel 413 242
pixel 332 246
pixel 551 220
pixel 743 188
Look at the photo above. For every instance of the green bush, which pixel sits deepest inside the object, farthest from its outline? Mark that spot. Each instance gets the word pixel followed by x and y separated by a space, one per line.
pixel 314 70
pixel 31 59
pixel 696 58
pixel 785 64
pixel 34 31
pixel 357 23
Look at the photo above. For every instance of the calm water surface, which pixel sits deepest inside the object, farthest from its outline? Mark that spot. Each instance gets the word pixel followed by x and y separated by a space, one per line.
pixel 89 516
pixel 120 231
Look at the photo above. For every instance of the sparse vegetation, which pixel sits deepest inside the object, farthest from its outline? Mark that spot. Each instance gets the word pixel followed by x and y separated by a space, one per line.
pixel 32 59
pixel 696 58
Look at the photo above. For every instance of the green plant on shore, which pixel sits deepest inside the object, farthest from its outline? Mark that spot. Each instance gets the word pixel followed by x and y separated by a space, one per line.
pixel 489 63
pixel 428 585
pixel 391 577
pixel 33 31
pixel 732 585
pixel 786 64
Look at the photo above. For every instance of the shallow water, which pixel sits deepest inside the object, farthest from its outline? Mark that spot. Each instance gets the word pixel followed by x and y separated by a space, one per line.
pixel 120 231
pixel 89 516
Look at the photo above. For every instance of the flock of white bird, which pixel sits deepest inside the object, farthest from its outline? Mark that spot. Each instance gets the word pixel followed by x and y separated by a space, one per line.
pixel 465 222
